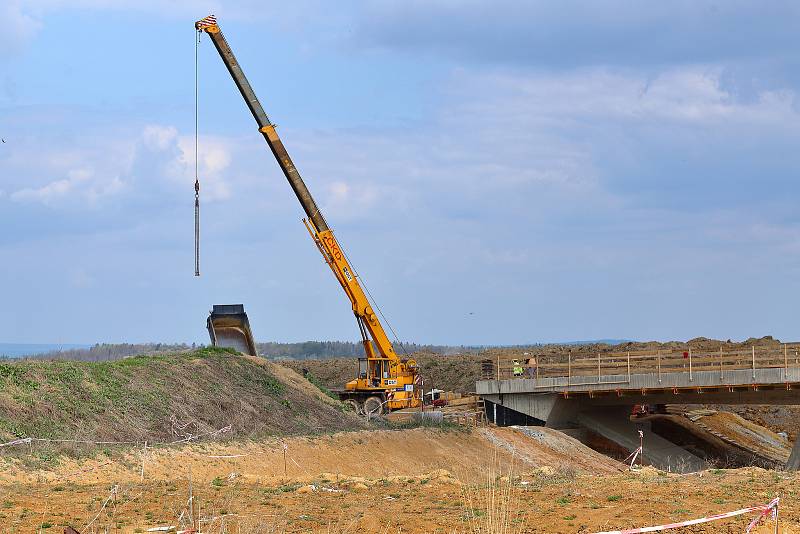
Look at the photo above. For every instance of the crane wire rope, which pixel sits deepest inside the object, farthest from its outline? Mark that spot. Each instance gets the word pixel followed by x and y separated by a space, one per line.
pixel 196 157
pixel 374 302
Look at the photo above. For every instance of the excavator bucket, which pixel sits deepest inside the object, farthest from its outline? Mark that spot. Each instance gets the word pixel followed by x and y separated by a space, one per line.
pixel 228 327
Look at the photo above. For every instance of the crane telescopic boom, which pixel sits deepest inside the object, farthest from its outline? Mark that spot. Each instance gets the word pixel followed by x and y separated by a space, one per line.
pixel 380 371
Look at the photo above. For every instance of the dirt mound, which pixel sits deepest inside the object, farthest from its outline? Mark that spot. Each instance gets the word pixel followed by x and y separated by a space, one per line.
pixel 544 447
pixel 745 434
pixel 776 418
pixel 162 397
pixel 376 454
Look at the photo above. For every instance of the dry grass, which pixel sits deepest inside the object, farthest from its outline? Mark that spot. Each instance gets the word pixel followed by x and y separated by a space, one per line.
pixel 492 507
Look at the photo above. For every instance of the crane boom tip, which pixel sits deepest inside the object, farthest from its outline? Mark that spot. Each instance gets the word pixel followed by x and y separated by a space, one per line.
pixel 206 24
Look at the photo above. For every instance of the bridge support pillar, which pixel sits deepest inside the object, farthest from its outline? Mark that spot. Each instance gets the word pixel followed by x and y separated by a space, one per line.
pixel 794 459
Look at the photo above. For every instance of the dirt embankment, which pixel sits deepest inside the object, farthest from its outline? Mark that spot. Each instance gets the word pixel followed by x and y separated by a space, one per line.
pixel 420 480
pixel 452 372
pixel 784 419
pixel 162 397
pixel 466 453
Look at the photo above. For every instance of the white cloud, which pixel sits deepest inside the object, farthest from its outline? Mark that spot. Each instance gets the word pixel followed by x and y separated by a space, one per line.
pixel 18 26
pixel 348 201
pixel 685 95
pixel 78 181
pixel 159 138
pixel 43 194
pixel 214 160
pixel 94 172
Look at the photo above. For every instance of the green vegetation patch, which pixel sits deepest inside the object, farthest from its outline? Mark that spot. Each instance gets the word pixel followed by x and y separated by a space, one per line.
pixel 317 382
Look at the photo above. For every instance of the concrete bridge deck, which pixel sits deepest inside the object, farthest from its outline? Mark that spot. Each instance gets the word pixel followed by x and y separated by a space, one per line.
pixel 576 390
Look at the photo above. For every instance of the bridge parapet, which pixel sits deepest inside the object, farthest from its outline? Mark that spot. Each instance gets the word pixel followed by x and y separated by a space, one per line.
pixel 680 382
pixel 576 366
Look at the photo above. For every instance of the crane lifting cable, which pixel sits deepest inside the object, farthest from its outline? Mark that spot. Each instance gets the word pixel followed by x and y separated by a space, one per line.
pixel 196 174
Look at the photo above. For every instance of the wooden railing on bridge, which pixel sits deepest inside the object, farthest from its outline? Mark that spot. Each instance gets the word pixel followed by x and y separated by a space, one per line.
pixel 622 364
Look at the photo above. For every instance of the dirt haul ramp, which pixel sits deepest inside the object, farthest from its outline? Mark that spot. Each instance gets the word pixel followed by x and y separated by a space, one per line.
pixel 228 327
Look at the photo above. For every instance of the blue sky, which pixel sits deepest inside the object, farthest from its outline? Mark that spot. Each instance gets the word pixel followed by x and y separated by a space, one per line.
pixel 499 172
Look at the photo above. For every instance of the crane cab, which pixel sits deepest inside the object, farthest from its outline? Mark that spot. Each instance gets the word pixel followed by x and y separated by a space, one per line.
pixel 382 385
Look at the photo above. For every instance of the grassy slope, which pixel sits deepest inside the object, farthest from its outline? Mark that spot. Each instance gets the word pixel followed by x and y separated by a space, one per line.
pixel 162 397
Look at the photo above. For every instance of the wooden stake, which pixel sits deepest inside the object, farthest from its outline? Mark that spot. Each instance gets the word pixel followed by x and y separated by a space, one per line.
pixel 777 507
pixel 658 357
pixel 641 449
pixel 144 453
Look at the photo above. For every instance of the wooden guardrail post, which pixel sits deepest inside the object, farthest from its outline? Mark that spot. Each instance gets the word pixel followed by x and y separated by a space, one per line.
pixel 785 361
pixel 569 368
pixel 629 366
pixel 598 367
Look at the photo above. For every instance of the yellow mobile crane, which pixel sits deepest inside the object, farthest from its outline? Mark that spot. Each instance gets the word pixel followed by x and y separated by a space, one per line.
pixel 384 380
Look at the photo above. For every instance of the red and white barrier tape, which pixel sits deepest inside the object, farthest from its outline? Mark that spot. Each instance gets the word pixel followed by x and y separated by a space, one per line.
pixel 190 437
pixel 771 507
pixel 763 510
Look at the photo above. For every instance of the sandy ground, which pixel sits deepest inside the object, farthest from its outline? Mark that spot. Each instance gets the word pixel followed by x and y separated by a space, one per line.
pixel 379 481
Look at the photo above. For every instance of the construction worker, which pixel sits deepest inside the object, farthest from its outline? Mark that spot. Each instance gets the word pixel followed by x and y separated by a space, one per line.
pixel 516 367
pixel 531 366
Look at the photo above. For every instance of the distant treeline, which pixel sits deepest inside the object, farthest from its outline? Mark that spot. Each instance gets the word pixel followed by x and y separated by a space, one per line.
pixel 290 351
pixel 113 351
pixel 343 349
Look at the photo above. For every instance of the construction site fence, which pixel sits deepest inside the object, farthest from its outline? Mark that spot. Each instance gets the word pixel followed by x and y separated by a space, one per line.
pixel 584 364
pixel 469 419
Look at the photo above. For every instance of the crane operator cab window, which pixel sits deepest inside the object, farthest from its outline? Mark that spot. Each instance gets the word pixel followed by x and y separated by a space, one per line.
pixel 362 368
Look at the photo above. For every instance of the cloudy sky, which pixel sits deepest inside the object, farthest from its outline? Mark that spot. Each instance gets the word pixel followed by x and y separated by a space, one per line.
pixel 499 172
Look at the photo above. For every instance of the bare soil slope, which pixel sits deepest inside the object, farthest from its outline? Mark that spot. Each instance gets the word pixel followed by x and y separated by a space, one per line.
pixel 421 480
